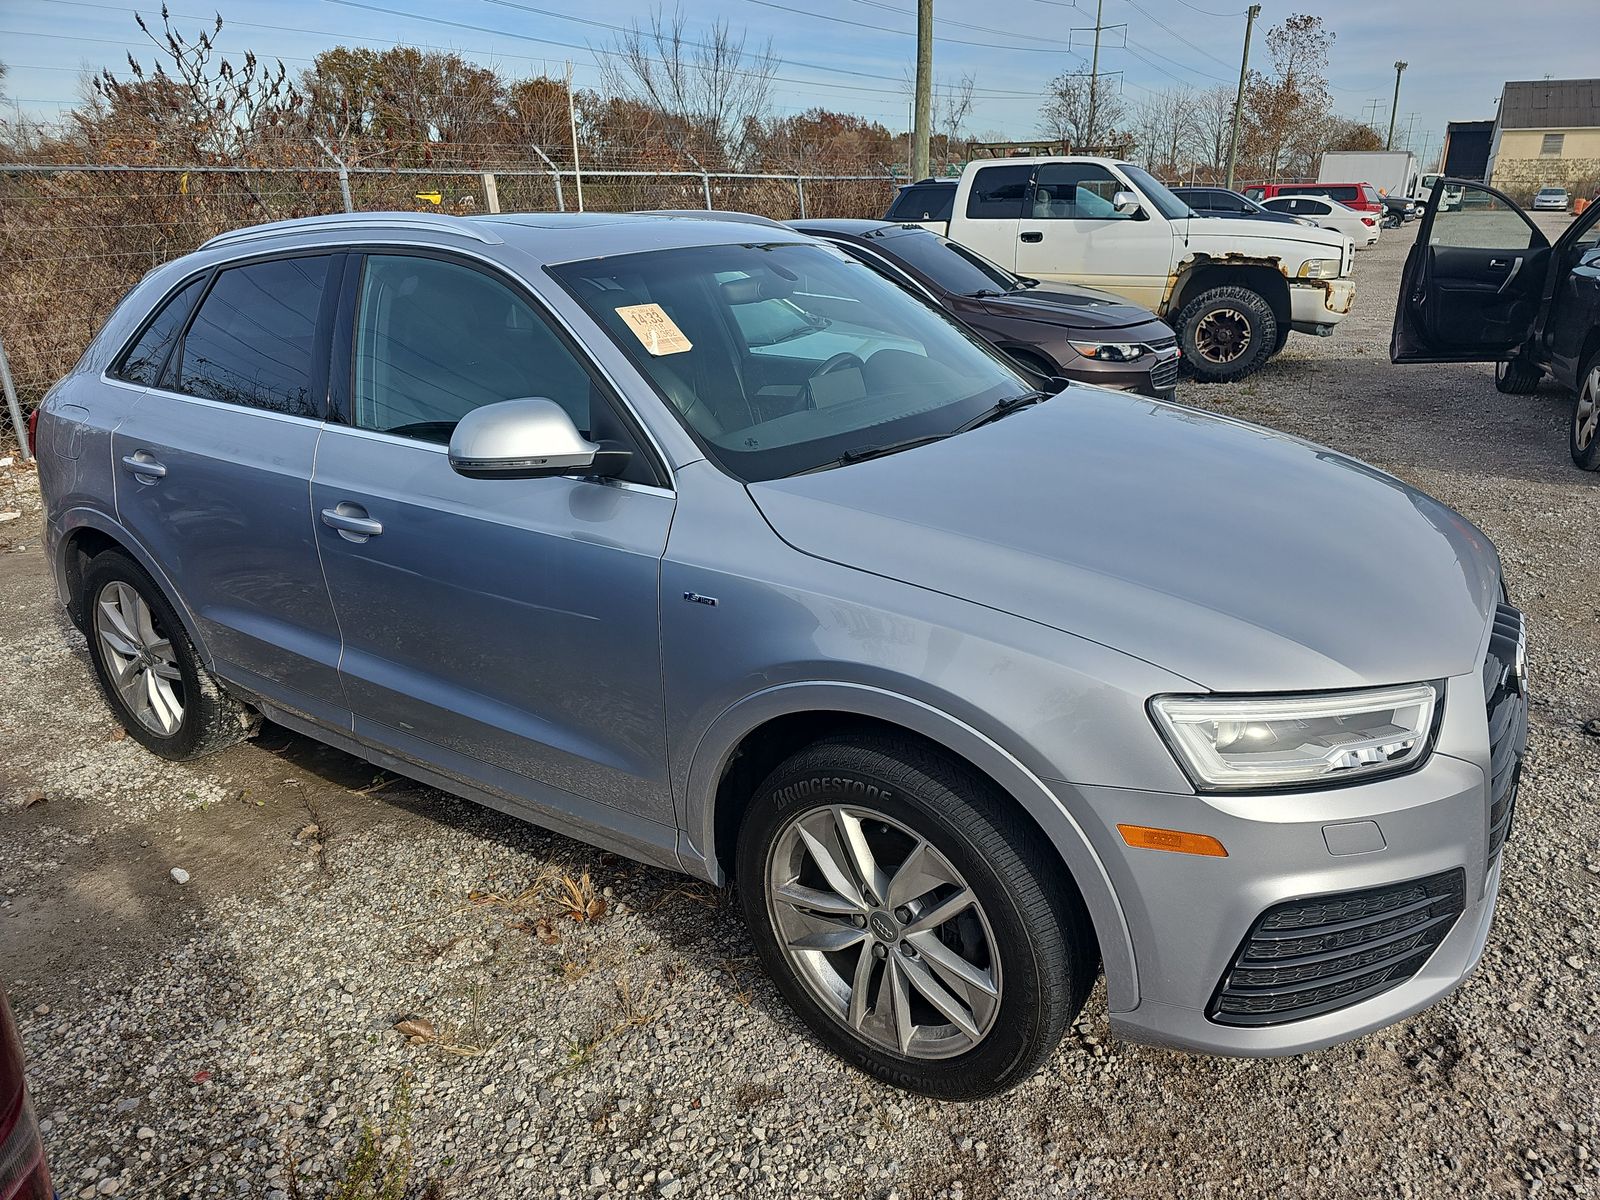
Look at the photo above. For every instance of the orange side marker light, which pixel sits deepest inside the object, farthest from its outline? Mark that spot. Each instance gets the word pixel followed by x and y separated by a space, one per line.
pixel 1145 838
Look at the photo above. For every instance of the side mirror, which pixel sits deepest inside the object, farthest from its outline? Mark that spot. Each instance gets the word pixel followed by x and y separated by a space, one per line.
pixel 1126 203
pixel 528 439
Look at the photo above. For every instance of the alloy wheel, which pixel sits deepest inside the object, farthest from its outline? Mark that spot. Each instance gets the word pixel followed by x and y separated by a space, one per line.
pixel 1222 335
pixel 139 659
pixel 1586 416
pixel 883 931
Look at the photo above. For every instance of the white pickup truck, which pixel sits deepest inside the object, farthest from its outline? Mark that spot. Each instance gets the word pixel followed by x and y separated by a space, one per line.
pixel 1232 288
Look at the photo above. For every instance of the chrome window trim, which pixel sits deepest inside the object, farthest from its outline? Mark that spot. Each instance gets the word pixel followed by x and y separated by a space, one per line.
pixel 228 405
pixel 374 435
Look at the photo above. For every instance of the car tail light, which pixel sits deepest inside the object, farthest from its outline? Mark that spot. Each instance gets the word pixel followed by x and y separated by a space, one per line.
pixel 1368 221
pixel 33 433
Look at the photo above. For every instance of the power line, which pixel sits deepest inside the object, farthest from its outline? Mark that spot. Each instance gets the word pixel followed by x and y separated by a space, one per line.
pixel 1176 35
pixel 963 24
pixel 879 29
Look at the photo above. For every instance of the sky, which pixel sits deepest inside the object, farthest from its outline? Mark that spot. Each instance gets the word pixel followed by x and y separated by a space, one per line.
pixel 857 55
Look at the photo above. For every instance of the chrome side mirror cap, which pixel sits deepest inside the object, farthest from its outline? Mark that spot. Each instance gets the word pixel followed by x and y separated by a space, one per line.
pixel 1126 203
pixel 532 438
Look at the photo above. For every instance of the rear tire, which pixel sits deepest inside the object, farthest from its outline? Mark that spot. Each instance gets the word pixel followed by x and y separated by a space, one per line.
pixel 1584 441
pixel 1516 377
pixel 147 667
pixel 1226 333
pixel 822 874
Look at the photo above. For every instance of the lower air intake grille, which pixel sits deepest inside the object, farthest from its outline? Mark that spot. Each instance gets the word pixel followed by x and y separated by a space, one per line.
pixel 1503 689
pixel 1165 375
pixel 1306 957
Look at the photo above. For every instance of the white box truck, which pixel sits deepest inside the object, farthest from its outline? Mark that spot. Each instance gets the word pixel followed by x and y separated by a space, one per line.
pixel 1392 172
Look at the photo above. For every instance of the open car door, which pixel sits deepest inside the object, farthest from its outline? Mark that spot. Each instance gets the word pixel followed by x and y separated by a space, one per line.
pixel 1473 282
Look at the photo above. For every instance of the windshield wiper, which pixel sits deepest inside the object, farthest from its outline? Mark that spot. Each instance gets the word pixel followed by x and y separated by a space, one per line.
pixel 863 453
pixel 1004 408
pixel 1026 282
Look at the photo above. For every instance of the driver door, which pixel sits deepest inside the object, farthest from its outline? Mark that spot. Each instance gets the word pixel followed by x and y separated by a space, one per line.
pixel 1473 282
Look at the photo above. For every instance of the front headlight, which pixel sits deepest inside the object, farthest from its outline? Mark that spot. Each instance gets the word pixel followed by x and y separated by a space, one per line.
pixel 1320 268
pixel 1229 743
pixel 1111 351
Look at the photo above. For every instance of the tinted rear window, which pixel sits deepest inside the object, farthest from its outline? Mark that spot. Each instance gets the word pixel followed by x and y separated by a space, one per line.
pixel 143 362
pixel 997 192
pixel 924 204
pixel 252 340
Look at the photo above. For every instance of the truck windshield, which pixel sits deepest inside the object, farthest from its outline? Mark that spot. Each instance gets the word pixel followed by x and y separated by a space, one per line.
pixel 1159 195
pixel 783 357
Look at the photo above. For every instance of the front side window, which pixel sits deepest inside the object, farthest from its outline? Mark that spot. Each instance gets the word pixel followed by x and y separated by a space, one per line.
pixel 1484 222
pixel 435 340
pixel 252 342
pixel 1076 192
pixel 998 192
pixel 144 359
pixel 783 357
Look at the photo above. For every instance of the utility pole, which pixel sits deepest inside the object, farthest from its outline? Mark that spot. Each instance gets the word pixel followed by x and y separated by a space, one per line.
pixel 1411 120
pixel 1094 75
pixel 572 126
pixel 1250 16
pixel 1394 109
pixel 924 114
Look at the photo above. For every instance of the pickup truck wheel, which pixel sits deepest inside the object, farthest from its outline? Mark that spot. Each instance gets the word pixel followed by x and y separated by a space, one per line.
pixel 1515 377
pixel 911 916
pixel 147 667
pixel 1586 417
pixel 1226 333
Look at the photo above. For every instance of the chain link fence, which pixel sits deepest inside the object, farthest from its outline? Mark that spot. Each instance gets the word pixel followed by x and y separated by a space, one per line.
pixel 75 238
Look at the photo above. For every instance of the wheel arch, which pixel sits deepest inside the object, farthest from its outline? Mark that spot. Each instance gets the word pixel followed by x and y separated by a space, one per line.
pixel 87 534
pixel 1261 275
pixel 749 739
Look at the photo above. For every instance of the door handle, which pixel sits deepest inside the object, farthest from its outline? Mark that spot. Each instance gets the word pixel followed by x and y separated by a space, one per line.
pixel 1515 267
pixel 143 466
pixel 351 521
pixel 1033 235
pixel 1498 264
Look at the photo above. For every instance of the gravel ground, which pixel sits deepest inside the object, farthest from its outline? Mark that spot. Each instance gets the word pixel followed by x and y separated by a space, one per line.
pixel 234 1035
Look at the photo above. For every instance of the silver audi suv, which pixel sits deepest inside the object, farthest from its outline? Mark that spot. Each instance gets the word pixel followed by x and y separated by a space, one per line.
pixel 702 542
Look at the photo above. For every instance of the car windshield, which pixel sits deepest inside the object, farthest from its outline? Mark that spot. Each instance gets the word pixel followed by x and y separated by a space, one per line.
pixel 1158 193
pixel 949 266
pixel 784 357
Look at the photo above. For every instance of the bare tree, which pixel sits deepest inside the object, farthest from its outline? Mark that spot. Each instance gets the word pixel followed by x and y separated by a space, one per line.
pixel 1065 115
pixel 1213 116
pixel 1167 130
pixel 214 109
pixel 954 106
pixel 710 91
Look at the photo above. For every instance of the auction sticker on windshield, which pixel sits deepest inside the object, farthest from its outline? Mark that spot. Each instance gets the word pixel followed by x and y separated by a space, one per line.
pixel 656 331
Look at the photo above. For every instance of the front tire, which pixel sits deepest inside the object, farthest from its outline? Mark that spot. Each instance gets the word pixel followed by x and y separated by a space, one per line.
pixel 1516 377
pixel 147 667
pixel 911 917
pixel 1585 440
pixel 1226 333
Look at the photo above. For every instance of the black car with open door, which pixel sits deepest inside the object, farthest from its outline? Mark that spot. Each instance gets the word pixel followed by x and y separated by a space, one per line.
pixel 1484 284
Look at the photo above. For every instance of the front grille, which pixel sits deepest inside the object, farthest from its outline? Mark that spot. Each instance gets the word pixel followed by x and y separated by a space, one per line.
pixel 1306 957
pixel 1503 688
pixel 1165 374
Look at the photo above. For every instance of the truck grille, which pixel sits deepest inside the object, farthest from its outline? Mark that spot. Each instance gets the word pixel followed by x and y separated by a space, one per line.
pixel 1306 957
pixel 1504 683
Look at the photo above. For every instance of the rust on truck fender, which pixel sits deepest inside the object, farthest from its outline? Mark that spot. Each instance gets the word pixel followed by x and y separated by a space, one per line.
pixel 1200 259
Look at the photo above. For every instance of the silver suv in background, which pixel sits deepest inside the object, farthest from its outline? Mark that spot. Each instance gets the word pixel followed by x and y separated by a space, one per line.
pixel 706 543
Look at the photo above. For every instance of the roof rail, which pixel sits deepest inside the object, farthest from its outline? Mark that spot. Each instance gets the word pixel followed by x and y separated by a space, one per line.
pixel 431 222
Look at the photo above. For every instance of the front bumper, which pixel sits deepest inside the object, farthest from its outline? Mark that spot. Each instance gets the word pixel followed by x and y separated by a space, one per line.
pixel 1154 375
pixel 1188 915
pixel 1316 305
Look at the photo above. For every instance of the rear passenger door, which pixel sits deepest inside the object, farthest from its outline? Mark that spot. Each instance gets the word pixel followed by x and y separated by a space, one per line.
pixel 503 630
pixel 994 203
pixel 213 471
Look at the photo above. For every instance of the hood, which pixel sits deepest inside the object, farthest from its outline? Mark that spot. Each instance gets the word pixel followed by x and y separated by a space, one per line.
pixel 1068 305
pixel 1237 557
pixel 1233 230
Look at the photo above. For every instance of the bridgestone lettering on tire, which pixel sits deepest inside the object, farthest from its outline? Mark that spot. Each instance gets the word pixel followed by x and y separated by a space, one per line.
pixel 1226 333
pixel 912 917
